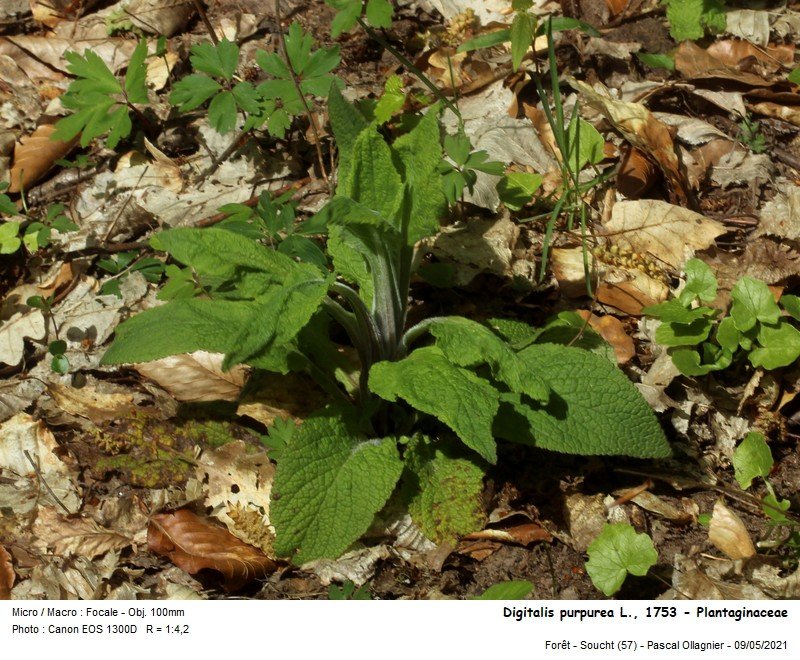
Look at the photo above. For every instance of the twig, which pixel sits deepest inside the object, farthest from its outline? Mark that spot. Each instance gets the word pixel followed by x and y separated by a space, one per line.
pixel 311 120
pixel 204 17
pixel 44 481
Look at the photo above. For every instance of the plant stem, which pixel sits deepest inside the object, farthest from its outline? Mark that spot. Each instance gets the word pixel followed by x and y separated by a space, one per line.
pixel 206 22
pixel 408 64
pixel 309 114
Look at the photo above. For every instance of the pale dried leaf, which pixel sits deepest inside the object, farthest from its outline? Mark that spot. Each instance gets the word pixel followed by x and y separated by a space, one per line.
pixel 196 376
pixel 671 234
pixel 70 578
pixel 698 579
pixel 523 534
pixel 160 17
pixel 92 403
pixel 52 12
pixel 781 215
pixel 286 396
pixel 23 435
pixel 585 515
pixel 479 246
pixel 729 534
pixel 238 486
pixel 75 536
pixel 356 566
pixel 691 130
pixel 789 113
pixel 14 331
pixel 749 24
pixel 742 166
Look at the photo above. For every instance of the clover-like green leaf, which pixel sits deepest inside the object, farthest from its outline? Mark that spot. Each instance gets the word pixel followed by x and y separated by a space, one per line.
pixel 753 302
pixel 751 459
pixel 700 282
pixel 615 553
pixel 779 346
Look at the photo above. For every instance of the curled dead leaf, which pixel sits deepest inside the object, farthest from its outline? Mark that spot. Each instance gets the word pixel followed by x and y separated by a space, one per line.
pixel 612 330
pixel 6 574
pixel 524 534
pixel 194 544
pixel 694 62
pixel 636 174
pixel 34 155
pixel 728 533
pixel 81 537
pixel 641 129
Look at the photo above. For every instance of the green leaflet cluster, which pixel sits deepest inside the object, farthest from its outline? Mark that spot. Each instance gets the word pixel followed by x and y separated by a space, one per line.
pixel 756 326
pixel 428 402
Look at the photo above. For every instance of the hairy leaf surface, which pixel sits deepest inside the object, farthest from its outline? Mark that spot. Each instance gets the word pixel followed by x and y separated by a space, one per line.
pixel 593 409
pixel 328 485
pixel 428 381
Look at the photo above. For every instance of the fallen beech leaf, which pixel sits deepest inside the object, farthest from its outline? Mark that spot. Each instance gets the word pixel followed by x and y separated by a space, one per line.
pixel 617 6
pixel 732 52
pixel 786 112
pixel 748 24
pixel 34 155
pixel 694 62
pixel 75 536
pixel 52 12
pixel 15 330
pixel 520 534
pixel 6 574
pixel 91 403
pixel 626 290
pixel 636 174
pixel 728 533
pixel 58 281
pixel 669 233
pixel 162 17
pixel 612 330
pixel 194 544
pixel 196 376
pixel 641 129
pixel 24 437
pixel 288 396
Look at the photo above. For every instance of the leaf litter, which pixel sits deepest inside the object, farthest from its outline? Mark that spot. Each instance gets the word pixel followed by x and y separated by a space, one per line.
pixel 693 176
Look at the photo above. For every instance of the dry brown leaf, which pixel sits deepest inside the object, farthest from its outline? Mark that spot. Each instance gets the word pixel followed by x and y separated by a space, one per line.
pixel 524 534
pixel 91 403
pixel 194 544
pixel 694 62
pixel 52 12
pixel 15 330
pixel 789 113
pixel 700 161
pixel 162 17
pixel 612 330
pixel 636 174
pixel 734 53
pixel 671 234
pixel 641 129
pixel 728 533
pixel 781 215
pixel 59 278
pixel 626 290
pixel 196 376
pixel 6 574
pixel 617 6
pixel 585 515
pixel 81 537
pixel 34 155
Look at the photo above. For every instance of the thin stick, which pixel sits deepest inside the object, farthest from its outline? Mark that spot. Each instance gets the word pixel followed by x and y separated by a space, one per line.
pixel 44 481
pixel 206 22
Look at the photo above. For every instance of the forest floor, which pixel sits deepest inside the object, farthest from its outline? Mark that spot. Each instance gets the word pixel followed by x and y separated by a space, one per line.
pixel 712 171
